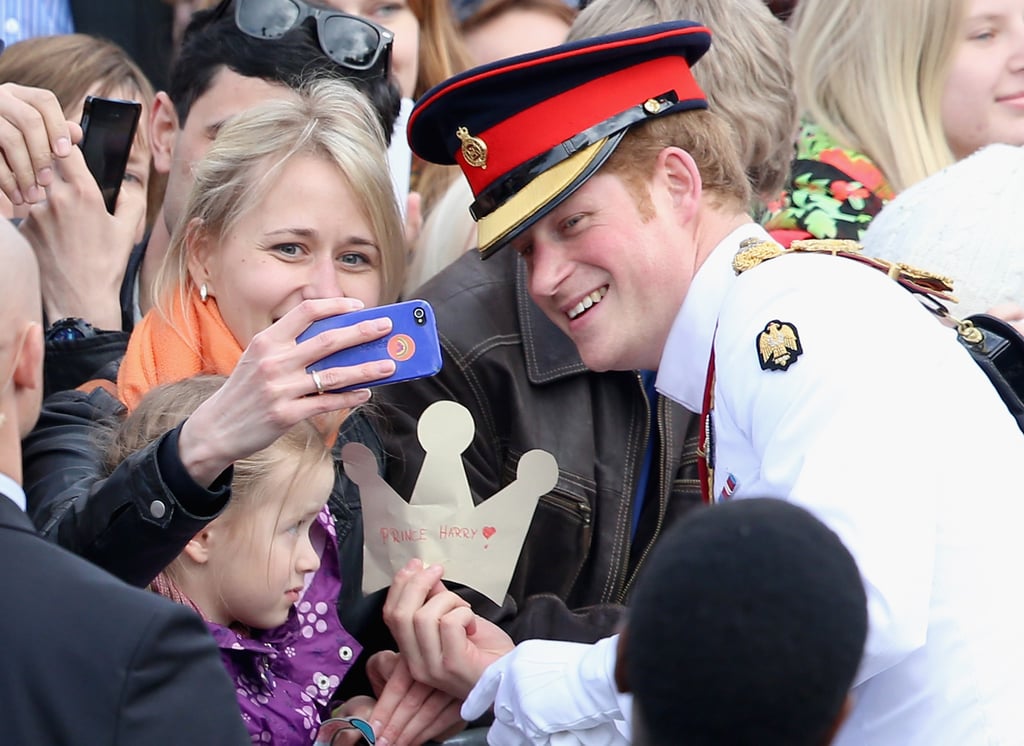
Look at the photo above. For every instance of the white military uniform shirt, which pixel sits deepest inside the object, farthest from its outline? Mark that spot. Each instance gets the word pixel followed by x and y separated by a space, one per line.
pixel 886 429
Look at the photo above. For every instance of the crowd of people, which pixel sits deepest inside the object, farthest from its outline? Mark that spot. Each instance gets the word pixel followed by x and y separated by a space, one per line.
pixel 707 253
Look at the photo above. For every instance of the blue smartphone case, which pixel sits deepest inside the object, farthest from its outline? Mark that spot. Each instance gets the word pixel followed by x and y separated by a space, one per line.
pixel 412 342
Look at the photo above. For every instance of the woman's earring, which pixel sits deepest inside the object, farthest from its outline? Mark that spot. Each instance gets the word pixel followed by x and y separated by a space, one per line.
pixel 203 293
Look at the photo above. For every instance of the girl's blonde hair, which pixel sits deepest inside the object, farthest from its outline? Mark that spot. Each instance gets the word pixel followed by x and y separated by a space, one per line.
pixel 871 73
pixel 165 407
pixel 326 119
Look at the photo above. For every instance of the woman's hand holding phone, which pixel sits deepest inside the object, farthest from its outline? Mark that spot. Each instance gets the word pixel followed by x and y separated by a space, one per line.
pixel 413 342
pixel 270 389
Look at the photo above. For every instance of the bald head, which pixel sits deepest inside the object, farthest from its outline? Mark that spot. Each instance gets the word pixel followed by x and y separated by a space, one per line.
pixel 19 278
pixel 21 336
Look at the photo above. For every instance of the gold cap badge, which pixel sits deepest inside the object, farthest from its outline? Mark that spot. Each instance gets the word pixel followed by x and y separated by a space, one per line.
pixel 778 345
pixel 474 150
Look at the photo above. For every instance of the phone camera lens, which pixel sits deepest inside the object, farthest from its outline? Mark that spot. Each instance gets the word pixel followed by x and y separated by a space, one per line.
pixel 420 315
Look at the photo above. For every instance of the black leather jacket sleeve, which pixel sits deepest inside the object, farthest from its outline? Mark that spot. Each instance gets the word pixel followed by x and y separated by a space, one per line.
pixel 131 523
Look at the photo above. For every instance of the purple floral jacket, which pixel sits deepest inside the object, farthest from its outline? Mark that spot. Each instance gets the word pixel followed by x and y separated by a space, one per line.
pixel 285 677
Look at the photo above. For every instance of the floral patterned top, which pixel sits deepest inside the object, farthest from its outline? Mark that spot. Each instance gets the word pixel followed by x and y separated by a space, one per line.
pixel 285 677
pixel 833 192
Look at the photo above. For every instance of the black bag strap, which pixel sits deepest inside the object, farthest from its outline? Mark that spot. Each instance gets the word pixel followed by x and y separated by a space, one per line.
pixel 998 348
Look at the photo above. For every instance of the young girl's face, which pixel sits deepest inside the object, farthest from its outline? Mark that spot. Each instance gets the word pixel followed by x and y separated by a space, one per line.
pixel 260 561
pixel 983 101
pixel 396 16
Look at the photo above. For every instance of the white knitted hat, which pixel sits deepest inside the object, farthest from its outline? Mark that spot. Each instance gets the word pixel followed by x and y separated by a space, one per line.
pixel 963 222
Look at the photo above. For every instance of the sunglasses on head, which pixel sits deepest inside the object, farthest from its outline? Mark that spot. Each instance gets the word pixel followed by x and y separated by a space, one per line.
pixel 354 43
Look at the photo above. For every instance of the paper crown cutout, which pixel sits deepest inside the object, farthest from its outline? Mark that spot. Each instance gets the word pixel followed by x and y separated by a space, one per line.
pixel 478 545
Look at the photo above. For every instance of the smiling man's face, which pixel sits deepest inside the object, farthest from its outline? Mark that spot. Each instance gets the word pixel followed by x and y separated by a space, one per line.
pixel 610 276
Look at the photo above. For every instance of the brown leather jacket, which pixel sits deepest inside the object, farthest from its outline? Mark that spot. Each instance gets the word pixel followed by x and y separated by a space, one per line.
pixel 526 387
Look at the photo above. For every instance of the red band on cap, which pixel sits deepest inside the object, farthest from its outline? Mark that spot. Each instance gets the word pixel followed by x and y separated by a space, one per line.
pixel 538 129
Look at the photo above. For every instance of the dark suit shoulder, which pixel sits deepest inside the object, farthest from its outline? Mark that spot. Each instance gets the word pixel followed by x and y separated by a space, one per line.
pixel 92 655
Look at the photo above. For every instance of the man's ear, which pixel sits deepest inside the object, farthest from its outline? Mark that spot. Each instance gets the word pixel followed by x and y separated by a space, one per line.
pixel 28 372
pixel 163 131
pixel 677 173
pixel 27 377
pixel 621 651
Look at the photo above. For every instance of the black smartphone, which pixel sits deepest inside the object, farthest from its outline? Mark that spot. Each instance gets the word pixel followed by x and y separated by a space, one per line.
pixel 109 127
pixel 412 343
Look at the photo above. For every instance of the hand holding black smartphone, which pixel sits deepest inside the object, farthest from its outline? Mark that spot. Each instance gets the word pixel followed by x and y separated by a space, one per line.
pixel 108 127
pixel 412 343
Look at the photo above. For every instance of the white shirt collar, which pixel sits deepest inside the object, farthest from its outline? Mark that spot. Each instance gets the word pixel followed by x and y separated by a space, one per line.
pixel 682 371
pixel 13 490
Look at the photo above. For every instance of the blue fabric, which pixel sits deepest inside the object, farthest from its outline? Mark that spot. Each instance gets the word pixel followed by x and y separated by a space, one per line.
pixel 24 19
pixel 647 377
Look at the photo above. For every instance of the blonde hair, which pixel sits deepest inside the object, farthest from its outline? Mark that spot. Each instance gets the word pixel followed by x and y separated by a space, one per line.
pixel 746 75
pixel 327 119
pixel 871 73
pixel 165 407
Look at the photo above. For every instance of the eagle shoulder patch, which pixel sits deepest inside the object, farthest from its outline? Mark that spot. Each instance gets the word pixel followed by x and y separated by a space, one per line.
pixel 778 346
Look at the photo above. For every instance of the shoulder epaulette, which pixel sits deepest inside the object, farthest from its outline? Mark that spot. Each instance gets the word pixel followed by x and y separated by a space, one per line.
pixel 754 251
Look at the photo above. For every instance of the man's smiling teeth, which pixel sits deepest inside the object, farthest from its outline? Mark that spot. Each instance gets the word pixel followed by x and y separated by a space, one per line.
pixel 588 301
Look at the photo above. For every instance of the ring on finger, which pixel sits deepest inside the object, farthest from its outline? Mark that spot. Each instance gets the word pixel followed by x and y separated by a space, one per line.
pixel 315 375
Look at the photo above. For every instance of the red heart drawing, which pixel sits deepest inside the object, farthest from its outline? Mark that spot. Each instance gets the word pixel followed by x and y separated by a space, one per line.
pixel 489 531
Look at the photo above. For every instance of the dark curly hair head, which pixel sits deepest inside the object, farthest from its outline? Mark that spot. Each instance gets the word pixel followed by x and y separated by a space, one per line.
pixel 212 41
pixel 746 627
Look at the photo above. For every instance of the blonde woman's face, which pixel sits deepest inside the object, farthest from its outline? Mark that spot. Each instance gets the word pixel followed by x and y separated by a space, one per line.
pixel 305 239
pixel 397 17
pixel 983 101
